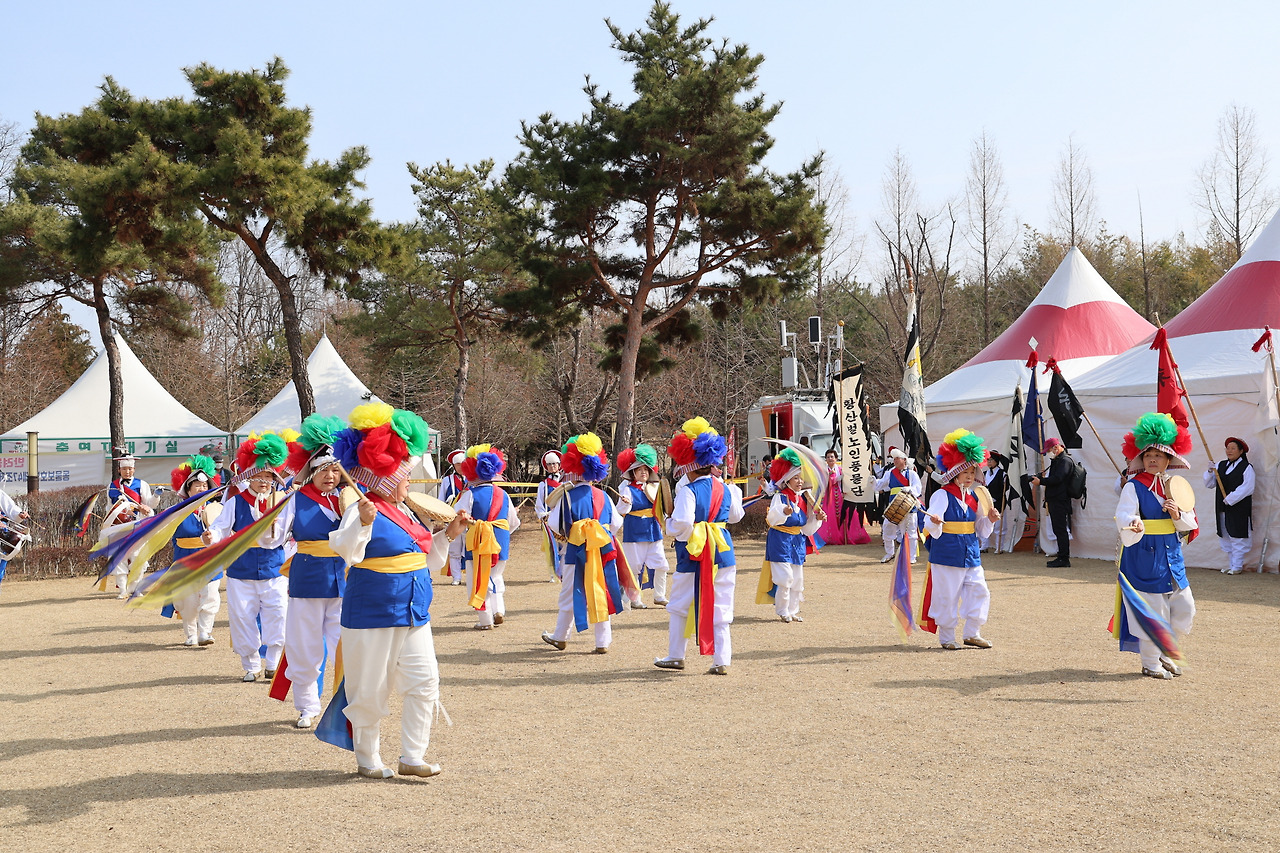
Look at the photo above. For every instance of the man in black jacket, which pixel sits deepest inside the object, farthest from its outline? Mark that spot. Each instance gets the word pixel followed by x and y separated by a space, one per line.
pixel 1058 499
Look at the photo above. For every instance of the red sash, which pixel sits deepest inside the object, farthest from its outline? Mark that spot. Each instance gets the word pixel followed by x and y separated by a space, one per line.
pixel 420 534
pixel 330 500
pixel 127 491
pixel 705 601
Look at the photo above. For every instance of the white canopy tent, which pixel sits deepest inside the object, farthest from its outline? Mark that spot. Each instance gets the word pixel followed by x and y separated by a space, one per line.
pixel 1076 319
pixel 337 391
pixel 74 434
pixel 1230 387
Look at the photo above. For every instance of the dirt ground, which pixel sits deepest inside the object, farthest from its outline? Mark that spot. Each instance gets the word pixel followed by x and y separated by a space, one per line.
pixel 826 735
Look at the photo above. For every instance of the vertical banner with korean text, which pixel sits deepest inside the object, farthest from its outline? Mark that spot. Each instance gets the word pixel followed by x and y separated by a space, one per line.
pixel 854 435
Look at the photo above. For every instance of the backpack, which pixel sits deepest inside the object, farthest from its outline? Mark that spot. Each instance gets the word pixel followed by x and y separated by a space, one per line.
pixel 1076 488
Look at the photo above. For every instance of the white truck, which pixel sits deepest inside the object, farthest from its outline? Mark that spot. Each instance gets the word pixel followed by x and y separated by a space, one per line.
pixel 794 417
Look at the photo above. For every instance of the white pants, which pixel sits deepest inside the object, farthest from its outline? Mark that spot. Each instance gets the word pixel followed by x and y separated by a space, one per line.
pixel 457 567
pixel 603 631
pixel 247 601
pixel 121 575
pixel 376 660
pixel 682 601
pixel 890 533
pixel 652 555
pixel 1235 549
pixel 495 599
pixel 958 593
pixel 310 639
pixel 790 580
pixel 1176 608
pixel 198 611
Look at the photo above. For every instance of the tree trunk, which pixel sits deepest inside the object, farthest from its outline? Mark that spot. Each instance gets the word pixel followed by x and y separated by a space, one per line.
pixel 293 338
pixel 460 395
pixel 627 376
pixel 115 379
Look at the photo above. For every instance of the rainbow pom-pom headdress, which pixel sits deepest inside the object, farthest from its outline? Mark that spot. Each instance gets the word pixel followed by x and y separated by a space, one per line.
pixel 483 463
pixel 195 466
pixel 1161 432
pixel 960 450
pixel 381 445
pixel 696 446
pixel 583 458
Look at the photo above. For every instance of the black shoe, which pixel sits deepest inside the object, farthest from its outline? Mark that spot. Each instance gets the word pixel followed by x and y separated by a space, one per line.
pixel 1059 563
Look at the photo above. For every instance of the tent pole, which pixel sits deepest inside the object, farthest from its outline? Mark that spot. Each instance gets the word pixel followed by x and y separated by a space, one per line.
pixel 1204 441
pixel 1271 514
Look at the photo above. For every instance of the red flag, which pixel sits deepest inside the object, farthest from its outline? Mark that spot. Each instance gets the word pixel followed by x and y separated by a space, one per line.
pixel 731 457
pixel 1169 393
pixel 1264 341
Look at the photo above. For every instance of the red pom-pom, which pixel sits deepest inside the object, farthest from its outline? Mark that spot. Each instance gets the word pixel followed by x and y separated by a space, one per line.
pixel 178 476
pixel 1130 447
pixel 571 460
pixel 297 458
pixel 681 449
pixel 245 458
pixel 1182 445
pixel 468 468
pixel 951 456
pixel 626 459
pixel 382 451
pixel 778 468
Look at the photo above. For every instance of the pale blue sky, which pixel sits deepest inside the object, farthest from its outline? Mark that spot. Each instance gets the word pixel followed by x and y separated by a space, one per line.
pixel 1141 85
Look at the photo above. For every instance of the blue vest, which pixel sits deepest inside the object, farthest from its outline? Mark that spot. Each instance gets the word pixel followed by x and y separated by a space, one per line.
pixel 256 564
pixel 113 494
pixel 782 547
pixel 637 528
pixel 314 577
pixel 482 496
pixel 1154 563
pixel 577 504
pixel 190 528
pixel 701 489
pixel 956 549
pixel 379 600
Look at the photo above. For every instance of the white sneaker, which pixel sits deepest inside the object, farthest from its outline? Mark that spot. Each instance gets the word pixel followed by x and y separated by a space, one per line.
pixel 305 721
pixel 886 558
pixel 190 642
pixel 124 593
pixel 797 618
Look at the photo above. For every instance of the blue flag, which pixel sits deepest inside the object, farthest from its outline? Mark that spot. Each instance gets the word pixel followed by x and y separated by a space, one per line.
pixel 1032 420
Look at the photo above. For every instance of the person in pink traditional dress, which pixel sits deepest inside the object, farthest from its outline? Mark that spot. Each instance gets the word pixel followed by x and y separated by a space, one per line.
pixel 841 526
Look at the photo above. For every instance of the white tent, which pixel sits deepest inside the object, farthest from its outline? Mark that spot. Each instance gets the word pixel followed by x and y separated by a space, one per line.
pixel 74 442
pixel 1230 387
pixel 1076 319
pixel 337 391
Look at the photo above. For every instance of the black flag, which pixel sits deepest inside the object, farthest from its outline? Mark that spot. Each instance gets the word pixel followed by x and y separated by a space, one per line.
pixel 1066 409
pixel 911 410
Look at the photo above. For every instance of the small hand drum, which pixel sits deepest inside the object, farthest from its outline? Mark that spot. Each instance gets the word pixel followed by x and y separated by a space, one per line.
pixel 13 535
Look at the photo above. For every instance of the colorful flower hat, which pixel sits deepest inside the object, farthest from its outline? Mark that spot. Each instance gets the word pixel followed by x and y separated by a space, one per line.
pixel 381 445
pixel 583 458
pixel 960 450
pixel 551 457
pixel 266 452
pixel 200 468
pixel 314 448
pixel 696 446
pixel 785 466
pixel 644 456
pixel 483 463
pixel 1160 431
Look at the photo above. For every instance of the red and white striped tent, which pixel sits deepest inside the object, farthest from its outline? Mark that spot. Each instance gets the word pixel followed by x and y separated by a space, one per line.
pixel 1230 387
pixel 1076 319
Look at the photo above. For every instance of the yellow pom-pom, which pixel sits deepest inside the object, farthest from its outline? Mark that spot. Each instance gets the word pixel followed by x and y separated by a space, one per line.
pixel 253 436
pixel 589 444
pixel 371 415
pixel 695 427
pixel 290 435
pixel 954 436
pixel 476 449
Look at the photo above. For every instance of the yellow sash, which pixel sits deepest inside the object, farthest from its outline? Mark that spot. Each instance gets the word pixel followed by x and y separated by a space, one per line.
pixel 791 530
pixel 485 548
pixel 589 533
pixel 896 489
pixel 316 548
pixel 705 534
pixel 643 513
pixel 398 564
pixel 957 527
pixel 193 543
pixel 1157 526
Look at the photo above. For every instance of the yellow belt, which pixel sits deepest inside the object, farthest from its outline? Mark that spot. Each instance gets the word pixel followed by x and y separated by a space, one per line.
pixel 791 530
pixel 957 527
pixel 193 543
pixel 643 513
pixel 316 548
pixel 397 565
pixel 896 489
pixel 1157 526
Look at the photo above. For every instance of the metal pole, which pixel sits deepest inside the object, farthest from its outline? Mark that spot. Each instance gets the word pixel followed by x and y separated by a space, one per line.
pixel 1271 514
pixel 33 463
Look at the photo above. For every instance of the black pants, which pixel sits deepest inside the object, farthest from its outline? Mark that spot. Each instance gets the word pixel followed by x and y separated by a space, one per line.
pixel 1060 520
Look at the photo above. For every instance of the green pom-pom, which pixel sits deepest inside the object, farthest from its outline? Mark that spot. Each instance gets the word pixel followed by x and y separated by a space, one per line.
pixel 202 464
pixel 271 451
pixel 971 447
pixel 1155 428
pixel 413 429
pixel 647 455
pixel 319 430
pixel 791 456
pixel 567 444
